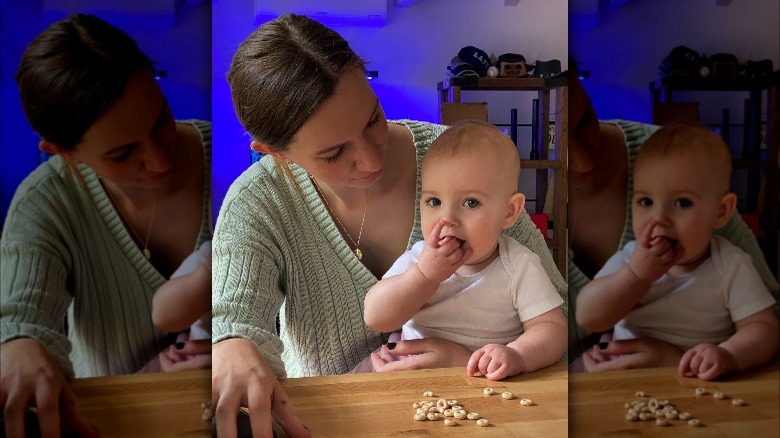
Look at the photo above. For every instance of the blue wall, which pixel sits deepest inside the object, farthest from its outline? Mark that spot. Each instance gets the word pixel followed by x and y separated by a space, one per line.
pixel 179 43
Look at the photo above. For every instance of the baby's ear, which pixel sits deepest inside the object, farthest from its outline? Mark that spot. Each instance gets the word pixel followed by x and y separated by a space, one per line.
pixel 728 203
pixel 516 204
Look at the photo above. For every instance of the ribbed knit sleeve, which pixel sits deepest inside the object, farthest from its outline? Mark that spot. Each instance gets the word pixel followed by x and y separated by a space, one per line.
pixel 72 277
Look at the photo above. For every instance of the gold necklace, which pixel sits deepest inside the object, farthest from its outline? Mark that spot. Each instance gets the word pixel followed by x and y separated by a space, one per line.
pixel 357 251
pixel 145 251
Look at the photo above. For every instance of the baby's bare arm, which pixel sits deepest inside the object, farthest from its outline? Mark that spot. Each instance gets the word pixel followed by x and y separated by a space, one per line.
pixel 394 300
pixel 606 300
pixel 543 342
pixel 755 341
pixel 180 301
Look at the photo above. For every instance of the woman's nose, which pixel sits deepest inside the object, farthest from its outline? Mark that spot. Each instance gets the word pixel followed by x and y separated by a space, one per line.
pixel 367 159
pixel 155 157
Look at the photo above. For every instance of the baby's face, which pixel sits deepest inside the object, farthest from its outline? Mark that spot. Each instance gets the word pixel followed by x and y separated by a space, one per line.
pixel 684 195
pixel 470 193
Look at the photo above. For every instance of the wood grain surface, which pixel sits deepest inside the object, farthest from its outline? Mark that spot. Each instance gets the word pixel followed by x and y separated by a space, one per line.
pixel 380 404
pixel 147 405
pixel 596 403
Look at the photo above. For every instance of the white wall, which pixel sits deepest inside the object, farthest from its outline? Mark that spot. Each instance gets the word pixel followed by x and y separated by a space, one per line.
pixel 624 50
pixel 411 53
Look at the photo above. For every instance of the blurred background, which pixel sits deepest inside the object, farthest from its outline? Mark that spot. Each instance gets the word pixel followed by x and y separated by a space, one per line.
pixel 620 44
pixel 175 34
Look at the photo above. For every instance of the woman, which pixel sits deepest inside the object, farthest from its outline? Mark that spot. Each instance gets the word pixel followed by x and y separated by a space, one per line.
pixel 600 174
pixel 309 229
pixel 95 230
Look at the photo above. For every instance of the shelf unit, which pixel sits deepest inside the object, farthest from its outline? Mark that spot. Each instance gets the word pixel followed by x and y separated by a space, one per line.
pixel 557 162
pixel 759 164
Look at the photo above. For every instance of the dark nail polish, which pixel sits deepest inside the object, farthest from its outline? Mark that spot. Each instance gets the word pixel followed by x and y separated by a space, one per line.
pixel 603 345
pixel 179 345
pixel 390 345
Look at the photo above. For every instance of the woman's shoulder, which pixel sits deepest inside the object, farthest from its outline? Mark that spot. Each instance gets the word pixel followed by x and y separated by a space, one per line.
pixel 423 133
pixel 52 184
pixel 52 177
pixel 204 130
pixel 635 133
pixel 261 184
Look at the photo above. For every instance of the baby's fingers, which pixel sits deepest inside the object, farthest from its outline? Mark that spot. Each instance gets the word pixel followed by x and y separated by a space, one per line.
pixel 433 237
pixel 685 364
pixel 472 368
pixel 645 239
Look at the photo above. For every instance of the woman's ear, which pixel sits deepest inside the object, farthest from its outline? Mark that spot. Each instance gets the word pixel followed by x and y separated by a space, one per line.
pixel 728 203
pixel 516 204
pixel 266 149
pixel 51 148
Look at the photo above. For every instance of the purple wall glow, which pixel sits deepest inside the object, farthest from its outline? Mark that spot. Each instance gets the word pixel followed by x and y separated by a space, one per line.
pixel 179 44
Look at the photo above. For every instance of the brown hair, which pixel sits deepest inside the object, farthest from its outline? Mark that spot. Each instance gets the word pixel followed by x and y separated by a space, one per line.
pixel 686 136
pixel 71 72
pixel 282 73
pixel 473 135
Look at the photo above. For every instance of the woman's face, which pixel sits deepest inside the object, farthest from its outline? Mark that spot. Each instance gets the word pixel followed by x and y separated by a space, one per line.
pixel 132 143
pixel 585 134
pixel 344 143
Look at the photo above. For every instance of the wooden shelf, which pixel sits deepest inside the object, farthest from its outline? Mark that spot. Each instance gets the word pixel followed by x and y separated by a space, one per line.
pixel 738 83
pixel 450 92
pixel 540 164
pixel 516 84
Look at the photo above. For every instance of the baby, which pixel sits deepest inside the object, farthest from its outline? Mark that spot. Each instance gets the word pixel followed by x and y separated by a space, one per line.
pixel 467 282
pixel 678 282
pixel 183 304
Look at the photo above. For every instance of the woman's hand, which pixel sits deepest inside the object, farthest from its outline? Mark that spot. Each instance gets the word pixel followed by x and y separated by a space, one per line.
pixel 632 353
pixel 423 353
pixel 240 376
pixel 30 378
pixel 193 355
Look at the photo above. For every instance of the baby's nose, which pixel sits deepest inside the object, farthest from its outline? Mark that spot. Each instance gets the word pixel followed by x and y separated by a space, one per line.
pixel 661 228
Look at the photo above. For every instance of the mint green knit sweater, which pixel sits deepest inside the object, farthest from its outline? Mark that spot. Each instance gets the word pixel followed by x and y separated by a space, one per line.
pixel 65 252
pixel 278 251
pixel 735 230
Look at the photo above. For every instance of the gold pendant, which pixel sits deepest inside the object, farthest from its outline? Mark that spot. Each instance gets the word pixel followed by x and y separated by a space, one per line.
pixel 147 254
pixel 359 253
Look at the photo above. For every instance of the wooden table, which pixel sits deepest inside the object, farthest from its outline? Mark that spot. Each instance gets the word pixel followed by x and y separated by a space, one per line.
pixel 356 405
pixel 147 405
pixel 380 404
pixel 596 403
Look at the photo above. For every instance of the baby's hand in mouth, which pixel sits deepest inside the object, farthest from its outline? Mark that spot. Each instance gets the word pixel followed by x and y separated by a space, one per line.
pixel 446 239
pixel 660 238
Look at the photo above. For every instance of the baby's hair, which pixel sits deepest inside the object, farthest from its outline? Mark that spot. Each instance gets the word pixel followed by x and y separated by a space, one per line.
pixel 473 135
pixel 684 136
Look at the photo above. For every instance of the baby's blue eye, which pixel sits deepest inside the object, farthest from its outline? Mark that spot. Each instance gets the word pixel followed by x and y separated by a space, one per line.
pixel 433 202
pixel 645 202
pixel 683 202
pixel 471 203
